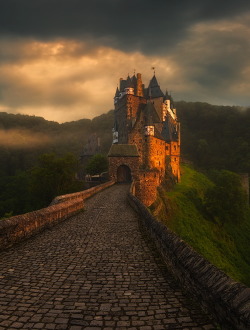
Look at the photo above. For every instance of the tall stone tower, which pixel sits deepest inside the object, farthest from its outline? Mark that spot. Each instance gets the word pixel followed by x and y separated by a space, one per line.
pixel 146 137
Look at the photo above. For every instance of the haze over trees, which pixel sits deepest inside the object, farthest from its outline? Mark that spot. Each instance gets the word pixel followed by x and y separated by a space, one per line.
pixel 212 137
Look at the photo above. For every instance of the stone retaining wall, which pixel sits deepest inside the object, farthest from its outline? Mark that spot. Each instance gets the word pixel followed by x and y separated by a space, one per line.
pixel 228 300
pixel 20 227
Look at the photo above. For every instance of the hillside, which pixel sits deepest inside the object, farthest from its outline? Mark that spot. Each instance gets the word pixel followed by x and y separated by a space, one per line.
pixel 23 138
pixel 225 243
pixel 215 136
pixel 211 137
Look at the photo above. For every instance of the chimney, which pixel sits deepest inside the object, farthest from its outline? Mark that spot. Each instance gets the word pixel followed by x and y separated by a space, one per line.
pixel 139 87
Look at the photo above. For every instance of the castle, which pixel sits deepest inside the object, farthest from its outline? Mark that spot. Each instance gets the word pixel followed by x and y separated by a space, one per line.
pixel 146 137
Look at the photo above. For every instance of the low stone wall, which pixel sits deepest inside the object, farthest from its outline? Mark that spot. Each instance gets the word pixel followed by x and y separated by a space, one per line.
pixel 228 300
pixel 20 227
pixel 82 194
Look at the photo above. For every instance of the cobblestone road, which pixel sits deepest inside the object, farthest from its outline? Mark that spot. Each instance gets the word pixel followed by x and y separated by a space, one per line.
pixel 94 271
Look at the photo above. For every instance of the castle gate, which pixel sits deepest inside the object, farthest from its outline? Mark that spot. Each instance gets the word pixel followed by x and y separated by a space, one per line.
pixel 124 174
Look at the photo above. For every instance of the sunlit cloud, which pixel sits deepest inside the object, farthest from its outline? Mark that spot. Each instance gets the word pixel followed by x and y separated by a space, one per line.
pixel 62 83
pixel 68 79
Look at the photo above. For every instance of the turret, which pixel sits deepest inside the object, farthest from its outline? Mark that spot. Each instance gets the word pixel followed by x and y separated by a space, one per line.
pixel 117 94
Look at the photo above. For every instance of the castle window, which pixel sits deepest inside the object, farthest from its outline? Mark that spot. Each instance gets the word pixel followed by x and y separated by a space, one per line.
pixel 174 147
pixel 166 147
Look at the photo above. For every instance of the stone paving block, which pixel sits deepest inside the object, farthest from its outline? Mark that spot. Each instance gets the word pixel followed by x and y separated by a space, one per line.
pixel 97 270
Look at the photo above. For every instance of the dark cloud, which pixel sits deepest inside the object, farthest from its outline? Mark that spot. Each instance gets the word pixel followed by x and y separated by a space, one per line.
pixel 146 25
pixel 57 55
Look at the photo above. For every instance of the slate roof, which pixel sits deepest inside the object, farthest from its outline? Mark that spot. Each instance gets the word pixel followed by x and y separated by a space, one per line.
pixel 129 82
pixel 150 115
pixel 123 85
pixel 117 93
pixel 154 89
pixel 123 150
pixel 169 97
pixel 169 132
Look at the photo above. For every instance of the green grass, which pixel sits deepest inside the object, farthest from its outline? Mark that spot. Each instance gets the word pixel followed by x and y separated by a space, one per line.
pixel 226 246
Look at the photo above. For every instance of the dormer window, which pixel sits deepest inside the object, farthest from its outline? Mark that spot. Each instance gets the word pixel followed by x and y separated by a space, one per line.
pixel 129 90
pixel 149 130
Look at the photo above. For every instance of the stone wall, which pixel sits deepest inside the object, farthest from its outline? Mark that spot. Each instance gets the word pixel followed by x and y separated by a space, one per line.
pixel 115 162
pixel 228 300
pixel 146 186
pixel 20 227
pixel 125 114
pixel 82 194
pixel 156 153
pixel 173 151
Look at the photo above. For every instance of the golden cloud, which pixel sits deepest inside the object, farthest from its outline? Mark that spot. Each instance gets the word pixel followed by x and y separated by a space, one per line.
pixel 65 80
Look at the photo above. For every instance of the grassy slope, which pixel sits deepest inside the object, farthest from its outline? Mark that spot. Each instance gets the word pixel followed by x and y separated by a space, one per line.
pixel 226 246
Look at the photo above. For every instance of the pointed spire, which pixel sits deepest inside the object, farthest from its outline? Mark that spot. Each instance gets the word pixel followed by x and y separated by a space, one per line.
pixel 154 88
pixel 117 93
pixel 129 82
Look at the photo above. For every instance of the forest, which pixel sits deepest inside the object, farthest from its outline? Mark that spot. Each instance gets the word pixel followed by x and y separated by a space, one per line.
pixel 39 158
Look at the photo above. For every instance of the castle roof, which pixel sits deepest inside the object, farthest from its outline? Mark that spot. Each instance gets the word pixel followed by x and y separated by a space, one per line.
pixel 169 97
pixel 154 89
pixel 151 116
pixel 117 93
pixel 129 82
pixel 123 150
pixel 134 79
pixel 169 132
pixel 123 84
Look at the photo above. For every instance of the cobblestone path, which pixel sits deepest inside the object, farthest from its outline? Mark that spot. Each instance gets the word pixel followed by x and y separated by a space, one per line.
pixel 96 270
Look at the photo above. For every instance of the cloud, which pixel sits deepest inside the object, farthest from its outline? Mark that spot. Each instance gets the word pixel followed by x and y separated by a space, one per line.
pixel 139 25
pixel 215 60
pixel 69 78
pixel 65 79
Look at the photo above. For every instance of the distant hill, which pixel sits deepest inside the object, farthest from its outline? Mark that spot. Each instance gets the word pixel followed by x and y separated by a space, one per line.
pixel 211 137
pixel 23 138
pixel 215 136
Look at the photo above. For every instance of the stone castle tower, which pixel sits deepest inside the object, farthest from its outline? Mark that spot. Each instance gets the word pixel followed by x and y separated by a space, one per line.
pixel 146 137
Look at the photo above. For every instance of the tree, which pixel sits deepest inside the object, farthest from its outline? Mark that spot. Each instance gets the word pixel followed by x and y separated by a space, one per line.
pixel 226 200
pixel 97 164
pixel 52 177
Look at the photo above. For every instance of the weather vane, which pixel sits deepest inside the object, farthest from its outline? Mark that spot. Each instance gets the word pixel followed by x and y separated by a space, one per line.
pixel 153 68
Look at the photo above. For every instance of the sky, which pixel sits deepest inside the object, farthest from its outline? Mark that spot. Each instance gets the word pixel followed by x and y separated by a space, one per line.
pixel 62 59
